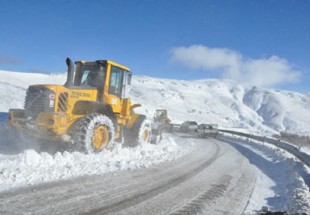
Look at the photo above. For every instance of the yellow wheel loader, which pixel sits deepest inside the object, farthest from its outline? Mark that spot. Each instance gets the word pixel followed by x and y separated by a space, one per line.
pixel 90 110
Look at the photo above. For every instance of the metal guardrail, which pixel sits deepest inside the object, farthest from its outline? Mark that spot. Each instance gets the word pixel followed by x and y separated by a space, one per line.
pixel 305 158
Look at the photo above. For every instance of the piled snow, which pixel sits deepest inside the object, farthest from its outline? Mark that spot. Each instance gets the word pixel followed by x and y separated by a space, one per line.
pixel 31 167
pixel 282 181
pixel 218 101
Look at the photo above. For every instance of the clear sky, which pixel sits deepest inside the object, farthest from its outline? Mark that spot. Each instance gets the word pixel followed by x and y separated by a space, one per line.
pixel 259 42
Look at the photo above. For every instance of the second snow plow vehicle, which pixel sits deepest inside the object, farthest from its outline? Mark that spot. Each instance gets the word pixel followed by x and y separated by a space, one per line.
pixel 162 119
pixel 90 109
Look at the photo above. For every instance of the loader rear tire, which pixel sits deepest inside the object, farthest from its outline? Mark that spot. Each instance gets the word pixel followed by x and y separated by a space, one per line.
pixel 93 133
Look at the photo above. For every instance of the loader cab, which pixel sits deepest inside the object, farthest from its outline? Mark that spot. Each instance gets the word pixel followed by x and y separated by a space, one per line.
pixel 114 93
pixel 90 74
pixel 106 77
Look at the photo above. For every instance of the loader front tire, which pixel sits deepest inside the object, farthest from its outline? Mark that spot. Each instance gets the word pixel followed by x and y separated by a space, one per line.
pixel 93 133
pixel 140 133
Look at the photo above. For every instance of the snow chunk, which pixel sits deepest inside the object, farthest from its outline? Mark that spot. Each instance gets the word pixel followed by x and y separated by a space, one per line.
pixel 31 158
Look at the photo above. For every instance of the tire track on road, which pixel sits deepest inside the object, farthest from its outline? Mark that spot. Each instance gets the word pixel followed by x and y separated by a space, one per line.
pixel 198 204
pixel 147 194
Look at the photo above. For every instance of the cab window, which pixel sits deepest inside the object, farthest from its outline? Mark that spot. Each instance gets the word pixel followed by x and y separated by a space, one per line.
pixel 91 76
pixel 84 74
pixel 116 82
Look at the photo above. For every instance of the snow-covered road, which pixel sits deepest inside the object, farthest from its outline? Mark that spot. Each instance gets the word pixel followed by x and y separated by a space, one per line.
pixel 181 175
pixel 212 178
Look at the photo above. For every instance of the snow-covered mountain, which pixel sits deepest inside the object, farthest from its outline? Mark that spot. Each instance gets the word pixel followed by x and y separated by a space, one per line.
pixel 218 101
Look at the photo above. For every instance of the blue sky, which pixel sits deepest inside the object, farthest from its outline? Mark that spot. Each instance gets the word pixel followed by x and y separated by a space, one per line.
pixel 169 38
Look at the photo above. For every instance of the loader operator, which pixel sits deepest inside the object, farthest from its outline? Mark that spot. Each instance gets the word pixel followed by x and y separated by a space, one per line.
pixel 95 77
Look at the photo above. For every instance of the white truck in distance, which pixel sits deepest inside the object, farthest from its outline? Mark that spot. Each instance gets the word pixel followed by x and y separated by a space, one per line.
pixel 189 126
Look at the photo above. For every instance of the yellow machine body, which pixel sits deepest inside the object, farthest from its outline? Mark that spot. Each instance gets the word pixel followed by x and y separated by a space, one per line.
pixel 64 105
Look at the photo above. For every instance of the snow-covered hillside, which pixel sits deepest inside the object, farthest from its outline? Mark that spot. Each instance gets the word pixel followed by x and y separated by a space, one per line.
pixel 218 101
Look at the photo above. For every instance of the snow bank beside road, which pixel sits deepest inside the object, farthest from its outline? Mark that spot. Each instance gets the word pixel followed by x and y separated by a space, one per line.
pixel 282 182
pixel 31 167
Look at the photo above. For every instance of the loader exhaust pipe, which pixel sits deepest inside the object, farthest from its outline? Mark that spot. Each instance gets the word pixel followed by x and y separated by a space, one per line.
pixel 70 74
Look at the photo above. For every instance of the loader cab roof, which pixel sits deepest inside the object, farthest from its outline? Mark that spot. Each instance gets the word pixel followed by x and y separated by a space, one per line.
pixel 103 62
